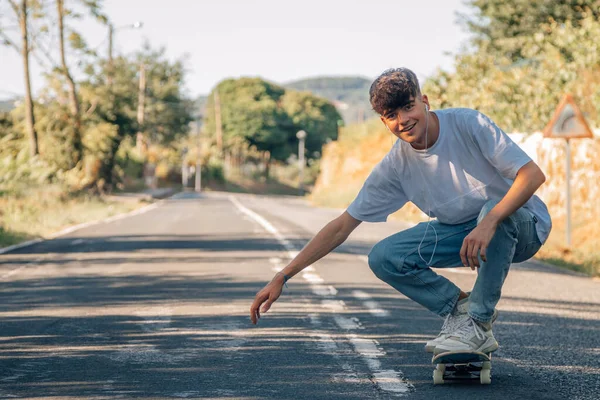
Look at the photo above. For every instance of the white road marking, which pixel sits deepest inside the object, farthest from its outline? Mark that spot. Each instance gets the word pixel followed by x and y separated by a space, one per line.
pixel 312 277
pixel 324 291
pixel 388 380
pixel 346 323
pixel 373 307
pixel 333 305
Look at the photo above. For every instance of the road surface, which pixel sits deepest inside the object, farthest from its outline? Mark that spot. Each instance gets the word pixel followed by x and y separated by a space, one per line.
pixel 155 305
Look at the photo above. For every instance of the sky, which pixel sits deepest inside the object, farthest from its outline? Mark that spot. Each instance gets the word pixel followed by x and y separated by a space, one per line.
pixel 277 40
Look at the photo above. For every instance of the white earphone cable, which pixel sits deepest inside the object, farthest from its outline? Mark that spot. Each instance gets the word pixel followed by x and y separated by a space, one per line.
pixel 428 203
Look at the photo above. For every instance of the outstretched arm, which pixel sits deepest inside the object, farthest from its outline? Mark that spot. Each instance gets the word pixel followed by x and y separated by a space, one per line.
pixel 324 242
pixel 529 178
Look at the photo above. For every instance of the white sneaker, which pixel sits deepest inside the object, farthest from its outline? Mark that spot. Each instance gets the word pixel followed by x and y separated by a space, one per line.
pixel 469 336
pixel 451 323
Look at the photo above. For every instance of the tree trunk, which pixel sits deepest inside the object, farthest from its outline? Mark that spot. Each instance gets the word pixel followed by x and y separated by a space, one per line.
pixel 29 116
pixel 73 100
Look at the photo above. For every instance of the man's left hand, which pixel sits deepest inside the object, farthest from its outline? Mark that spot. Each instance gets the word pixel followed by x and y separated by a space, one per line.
pixel 476 243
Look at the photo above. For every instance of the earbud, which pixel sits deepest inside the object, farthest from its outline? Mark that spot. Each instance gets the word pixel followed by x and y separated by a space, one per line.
pixel 426 107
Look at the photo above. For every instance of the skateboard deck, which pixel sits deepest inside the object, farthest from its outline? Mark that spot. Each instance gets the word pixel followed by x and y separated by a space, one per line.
pixel 462 366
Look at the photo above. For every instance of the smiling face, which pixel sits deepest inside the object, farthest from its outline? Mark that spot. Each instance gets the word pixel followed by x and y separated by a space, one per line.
pixel 409 121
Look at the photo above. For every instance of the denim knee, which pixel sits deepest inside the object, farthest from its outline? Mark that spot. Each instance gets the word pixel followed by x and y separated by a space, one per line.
pixel 377 259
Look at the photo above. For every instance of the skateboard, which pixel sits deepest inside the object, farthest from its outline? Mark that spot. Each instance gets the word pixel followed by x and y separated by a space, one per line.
pixel 462 366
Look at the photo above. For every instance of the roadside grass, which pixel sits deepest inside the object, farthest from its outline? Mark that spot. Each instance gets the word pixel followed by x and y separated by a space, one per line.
pixel 582 256
pixel 38 212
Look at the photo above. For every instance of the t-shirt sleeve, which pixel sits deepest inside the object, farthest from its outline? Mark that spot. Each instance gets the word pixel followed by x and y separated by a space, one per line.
pixel 497 147
pixel 381 194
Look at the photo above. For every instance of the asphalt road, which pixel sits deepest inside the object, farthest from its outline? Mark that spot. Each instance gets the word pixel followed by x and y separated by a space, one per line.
pixel 155 305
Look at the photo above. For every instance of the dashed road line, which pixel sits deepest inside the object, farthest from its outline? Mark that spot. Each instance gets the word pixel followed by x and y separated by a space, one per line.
pixel 391 381
pixel 373 307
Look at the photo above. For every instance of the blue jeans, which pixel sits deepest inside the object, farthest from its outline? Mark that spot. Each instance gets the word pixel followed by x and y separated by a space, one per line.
pixel 396 261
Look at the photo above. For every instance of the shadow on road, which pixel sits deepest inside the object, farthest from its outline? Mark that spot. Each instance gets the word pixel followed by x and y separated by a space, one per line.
pixel 158 333
pixel 177 336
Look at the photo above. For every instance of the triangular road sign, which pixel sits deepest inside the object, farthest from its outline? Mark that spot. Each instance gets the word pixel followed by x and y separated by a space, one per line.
pixel 568 121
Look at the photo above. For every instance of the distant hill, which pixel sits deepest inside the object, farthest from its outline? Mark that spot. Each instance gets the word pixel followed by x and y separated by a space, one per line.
pixel 7 105
pixel 349 94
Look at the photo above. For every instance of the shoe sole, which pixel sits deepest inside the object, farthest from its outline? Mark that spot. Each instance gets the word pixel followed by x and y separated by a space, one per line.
pixel 487 347
pixel 429 349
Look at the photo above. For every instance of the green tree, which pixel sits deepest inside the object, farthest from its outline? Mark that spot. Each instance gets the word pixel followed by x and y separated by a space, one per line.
pixel 250 109
pixel 112 109
pixel 315 115
pixel 522 96
pixel 167 109
pixel 22 12
pixel 508 25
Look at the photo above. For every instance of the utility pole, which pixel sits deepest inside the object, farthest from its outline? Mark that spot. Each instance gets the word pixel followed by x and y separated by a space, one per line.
pixel 140 142
pixel 198 182
pixel 301 135
pixel 111 32
pixel 218 123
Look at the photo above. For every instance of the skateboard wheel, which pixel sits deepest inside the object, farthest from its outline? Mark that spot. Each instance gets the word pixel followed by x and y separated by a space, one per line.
pixel 487 365
pixel 486 377
pixel 441 368
pixel 438 377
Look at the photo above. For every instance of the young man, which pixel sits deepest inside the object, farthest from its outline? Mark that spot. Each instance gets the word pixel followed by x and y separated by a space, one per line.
pixel 458 167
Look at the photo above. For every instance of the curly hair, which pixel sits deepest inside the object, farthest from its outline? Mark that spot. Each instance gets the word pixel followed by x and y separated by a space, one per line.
pixel 393 89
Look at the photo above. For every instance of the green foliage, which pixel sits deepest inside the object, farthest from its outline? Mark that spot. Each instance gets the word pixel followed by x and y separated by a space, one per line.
pixel 213 171
pixel 106 114
pixel 250 109
pixel 507 26
pixel 114 118
pixel 17 168
pixel 262 115
pixel 315 115
pixel 168 111
pixel 522 96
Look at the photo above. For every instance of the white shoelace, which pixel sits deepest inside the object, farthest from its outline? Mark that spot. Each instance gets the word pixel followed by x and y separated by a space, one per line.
pixel 452 322
pixel 465 330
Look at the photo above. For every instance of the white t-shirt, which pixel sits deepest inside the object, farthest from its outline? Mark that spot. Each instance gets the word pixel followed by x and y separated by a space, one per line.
pixel 472 161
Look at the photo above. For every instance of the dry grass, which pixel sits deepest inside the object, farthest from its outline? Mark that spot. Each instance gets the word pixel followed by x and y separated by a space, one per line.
pixel 39 212
pixel 582 256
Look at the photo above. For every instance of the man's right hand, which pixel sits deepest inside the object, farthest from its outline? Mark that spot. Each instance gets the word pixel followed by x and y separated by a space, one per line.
pixel 268 295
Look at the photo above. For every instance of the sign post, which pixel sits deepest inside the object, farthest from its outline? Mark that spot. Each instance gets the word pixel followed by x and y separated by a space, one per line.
pixel 568 123
pixel 301 135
